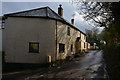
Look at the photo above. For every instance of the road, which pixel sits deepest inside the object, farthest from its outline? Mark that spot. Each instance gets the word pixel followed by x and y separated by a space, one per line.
pixel 90 66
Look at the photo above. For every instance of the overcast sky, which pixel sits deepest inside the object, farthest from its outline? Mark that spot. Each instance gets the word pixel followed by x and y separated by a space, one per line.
pixel 68 10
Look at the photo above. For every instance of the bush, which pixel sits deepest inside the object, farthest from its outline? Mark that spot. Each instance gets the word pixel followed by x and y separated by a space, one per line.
pixel 112 55
pixel 68 58
pixel 82 52
pixel 77 55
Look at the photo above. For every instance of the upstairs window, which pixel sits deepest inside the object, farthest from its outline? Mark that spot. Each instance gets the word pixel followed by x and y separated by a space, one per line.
pixel 3 24
pixel 68 31
pixel 61 48
pixel 84 37
pixel 33 47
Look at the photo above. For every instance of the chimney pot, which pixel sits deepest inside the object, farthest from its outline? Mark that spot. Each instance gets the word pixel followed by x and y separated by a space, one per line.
pixel 60 5
pixel 60 10
pixel 72 21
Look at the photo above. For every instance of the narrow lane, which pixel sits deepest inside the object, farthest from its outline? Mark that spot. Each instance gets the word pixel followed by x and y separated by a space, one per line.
pixel 89 66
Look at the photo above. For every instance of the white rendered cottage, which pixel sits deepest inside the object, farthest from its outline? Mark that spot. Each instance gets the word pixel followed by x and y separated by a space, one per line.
pixel 35 35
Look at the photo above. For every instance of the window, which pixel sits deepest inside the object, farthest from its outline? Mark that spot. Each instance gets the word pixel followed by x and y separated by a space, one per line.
pixel 80 34
pixel 33 47
pixel 71 48
pixel 84 44
pixel 3 24
pixel 61 48
pixel 84 37
pixel 68 31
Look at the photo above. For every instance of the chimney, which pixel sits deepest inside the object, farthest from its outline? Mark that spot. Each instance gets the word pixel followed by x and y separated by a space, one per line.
pixel 60 10
pixel 72 21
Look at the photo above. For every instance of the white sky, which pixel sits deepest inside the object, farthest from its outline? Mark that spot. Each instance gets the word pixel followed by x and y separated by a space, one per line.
pixel 68 10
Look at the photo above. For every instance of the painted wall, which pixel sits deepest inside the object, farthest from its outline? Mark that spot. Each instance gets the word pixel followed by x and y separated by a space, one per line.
pixel 63 38
pixel 83 41
pixel 21 31
pixel 88 45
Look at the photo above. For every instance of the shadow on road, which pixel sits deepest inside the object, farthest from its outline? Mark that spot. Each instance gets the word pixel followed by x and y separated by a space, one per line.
pixel 89 67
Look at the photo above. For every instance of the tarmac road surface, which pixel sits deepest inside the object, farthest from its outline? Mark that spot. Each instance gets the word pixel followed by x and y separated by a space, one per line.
pixel 89 67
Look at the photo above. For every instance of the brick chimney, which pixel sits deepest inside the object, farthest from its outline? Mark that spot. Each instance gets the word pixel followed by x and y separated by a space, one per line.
pixel 72 21
pixel 60 10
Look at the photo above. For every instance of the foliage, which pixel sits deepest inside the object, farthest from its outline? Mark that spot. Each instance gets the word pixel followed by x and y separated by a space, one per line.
pixel 93 36
pixel 96 12
pixel 111 55
pixel 69 58
pixel 77 55
pixel 112 34
pixel 82 52
pixel 93 40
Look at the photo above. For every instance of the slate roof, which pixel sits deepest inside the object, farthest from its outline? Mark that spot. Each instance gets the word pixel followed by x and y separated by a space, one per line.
pixel 44 12
pixel 40 12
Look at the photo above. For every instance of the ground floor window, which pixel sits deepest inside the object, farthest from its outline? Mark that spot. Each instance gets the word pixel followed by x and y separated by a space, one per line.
pixel 33 47
pixel 61 48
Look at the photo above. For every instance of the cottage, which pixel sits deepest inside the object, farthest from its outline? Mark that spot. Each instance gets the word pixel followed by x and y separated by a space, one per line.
pixel 40 36
pixel 88 45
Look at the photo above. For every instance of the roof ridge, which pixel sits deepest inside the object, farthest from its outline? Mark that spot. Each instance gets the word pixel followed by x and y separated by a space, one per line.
pixel 24 11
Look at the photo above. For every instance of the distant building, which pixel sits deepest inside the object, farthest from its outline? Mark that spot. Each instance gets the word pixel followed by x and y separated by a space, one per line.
pixel 88 45
pixel 34 36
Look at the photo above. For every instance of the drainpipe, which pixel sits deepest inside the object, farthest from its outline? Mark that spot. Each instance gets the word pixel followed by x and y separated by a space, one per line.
pixel 56 41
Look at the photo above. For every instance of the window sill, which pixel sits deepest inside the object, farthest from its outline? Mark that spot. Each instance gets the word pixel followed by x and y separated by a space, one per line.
pixel 62 52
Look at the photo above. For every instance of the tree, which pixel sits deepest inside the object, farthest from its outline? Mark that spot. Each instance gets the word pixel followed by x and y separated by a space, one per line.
pixel 92 36
pixel 97 13
pixel 88 33
pixel 103 14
